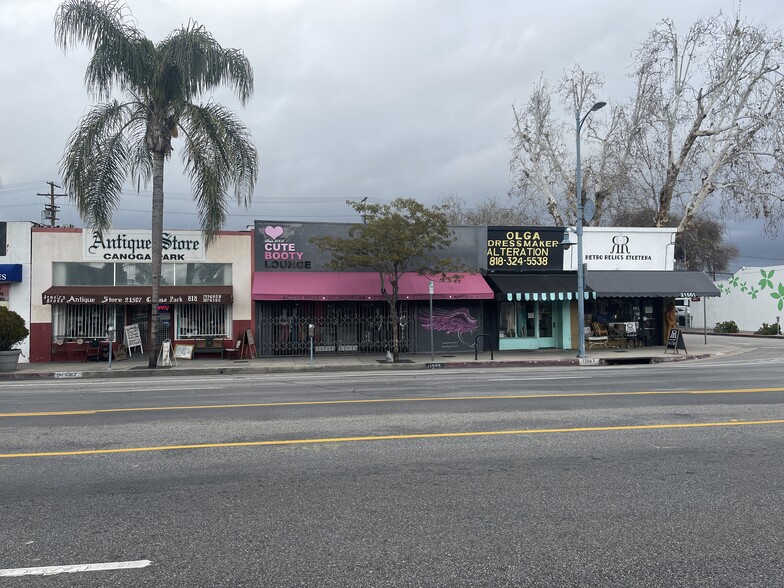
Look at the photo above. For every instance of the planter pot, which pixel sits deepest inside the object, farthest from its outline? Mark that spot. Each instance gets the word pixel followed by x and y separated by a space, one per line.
pixel 8 360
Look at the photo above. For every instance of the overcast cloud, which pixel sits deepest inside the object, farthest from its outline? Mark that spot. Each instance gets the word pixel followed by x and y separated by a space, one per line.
pixel 354 98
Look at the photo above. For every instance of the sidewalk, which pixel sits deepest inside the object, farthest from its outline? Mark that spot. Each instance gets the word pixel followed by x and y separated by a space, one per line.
pixel 137 365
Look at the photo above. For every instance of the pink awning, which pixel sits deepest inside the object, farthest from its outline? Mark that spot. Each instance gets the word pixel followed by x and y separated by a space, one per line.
pixel 362 286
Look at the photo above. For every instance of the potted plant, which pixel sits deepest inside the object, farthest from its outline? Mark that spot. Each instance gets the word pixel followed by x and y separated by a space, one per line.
pixel 12 332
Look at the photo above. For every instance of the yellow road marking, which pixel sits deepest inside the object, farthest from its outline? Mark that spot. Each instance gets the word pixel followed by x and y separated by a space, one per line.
pixel 383 400
pixel 388 438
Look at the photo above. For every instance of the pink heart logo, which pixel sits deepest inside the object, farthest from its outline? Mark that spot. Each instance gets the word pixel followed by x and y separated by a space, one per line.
pixel 273 232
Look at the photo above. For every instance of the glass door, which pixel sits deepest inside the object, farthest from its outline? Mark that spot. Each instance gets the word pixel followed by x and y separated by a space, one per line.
pixel 546 334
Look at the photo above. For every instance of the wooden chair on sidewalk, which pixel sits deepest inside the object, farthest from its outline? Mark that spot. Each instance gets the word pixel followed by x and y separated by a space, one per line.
pixel 596 336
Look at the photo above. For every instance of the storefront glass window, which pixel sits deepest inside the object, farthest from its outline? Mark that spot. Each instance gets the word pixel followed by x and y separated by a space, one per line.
pixel 81 321
pixel 202 320
pixel 140 274
pixel 525 318
pixel 517 319
pixel 82 274
pixel 203 274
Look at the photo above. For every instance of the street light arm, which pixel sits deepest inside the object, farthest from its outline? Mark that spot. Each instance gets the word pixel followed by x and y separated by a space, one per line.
pixel 594 108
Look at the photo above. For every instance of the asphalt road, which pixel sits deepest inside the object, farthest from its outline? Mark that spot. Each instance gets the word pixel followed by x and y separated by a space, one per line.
pixel 663 475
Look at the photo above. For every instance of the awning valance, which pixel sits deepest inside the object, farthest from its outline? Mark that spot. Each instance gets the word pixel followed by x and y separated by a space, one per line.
pixel 362 286
pixel 138 295
pixel 537 287
pixel 650 283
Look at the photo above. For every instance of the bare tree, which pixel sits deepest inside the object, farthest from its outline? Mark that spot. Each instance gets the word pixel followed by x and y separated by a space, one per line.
pixel 701 246
pixel 715 98
pixel 705 124
pixel 543 166
pixel 486 212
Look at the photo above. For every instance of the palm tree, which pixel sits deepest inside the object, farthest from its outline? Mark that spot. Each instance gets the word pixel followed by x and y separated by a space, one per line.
pixel 132 137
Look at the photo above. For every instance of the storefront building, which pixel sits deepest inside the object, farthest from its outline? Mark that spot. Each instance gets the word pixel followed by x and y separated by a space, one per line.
pixel 534 293
pixel 15 274
pixel 629 284
pixel 84 283
pixel 521 292
pixel 630 272
pixel 294 288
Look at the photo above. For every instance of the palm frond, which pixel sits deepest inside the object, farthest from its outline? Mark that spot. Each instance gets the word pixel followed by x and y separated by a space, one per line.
pixel 97 159
pixel 122 54
pixel 191 61
pixel 139 157
pixel 129 66
pixel 218 152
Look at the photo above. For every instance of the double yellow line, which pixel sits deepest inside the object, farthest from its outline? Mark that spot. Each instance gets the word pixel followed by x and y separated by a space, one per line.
pixel 323 440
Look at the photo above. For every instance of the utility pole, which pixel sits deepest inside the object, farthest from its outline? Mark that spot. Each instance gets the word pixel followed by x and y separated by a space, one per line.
pixel 50 210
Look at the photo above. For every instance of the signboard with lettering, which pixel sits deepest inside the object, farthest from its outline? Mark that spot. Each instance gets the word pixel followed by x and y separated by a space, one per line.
pixel 136 245
pixel 133 295
pixel 10 272
pixel 625 248
pixel 133 338
pixel 165 357
pixel 675 341
pixel 524 249
pixel 183 351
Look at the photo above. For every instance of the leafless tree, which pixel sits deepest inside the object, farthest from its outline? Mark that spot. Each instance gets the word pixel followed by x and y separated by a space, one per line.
pixel 486 212
pixel 542 164
pixel 703 130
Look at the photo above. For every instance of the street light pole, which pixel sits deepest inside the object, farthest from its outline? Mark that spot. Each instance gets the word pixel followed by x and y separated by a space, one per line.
pixel 432 353
pixel 578 191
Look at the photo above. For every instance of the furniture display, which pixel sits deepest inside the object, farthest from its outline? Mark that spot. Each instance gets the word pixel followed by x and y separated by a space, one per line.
pixel 208 345
pixel 595 340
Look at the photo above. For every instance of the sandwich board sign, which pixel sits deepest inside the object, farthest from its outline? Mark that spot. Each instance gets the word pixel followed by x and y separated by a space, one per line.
pixel 133 338
pixel 675 341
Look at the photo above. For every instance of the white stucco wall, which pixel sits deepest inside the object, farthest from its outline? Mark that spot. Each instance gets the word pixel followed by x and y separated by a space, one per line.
pixel 18 252
pixel 752 296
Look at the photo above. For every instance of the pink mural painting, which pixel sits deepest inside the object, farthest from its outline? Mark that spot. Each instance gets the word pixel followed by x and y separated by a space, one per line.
pixel 457 321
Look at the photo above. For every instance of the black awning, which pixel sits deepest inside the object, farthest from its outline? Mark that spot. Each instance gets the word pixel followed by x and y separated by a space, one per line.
pixel 536 286
pixel 650 283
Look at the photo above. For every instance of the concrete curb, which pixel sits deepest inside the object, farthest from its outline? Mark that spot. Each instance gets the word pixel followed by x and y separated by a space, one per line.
pixel 141 372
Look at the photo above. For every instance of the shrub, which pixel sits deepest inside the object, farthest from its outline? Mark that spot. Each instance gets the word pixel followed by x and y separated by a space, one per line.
pixel 12 329
pixel 726 327
pixel 769 329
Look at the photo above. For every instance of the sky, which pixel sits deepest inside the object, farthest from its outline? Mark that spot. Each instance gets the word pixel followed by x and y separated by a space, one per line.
pixel 353 98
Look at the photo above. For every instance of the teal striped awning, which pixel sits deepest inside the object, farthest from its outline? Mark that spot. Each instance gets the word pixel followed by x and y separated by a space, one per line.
pixel 543 287
pixel 545 296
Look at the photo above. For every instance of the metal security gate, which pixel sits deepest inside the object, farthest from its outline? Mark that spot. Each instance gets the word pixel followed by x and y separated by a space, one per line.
pixel 340 327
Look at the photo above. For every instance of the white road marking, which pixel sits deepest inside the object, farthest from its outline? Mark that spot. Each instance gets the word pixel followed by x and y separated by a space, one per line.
pixel 52 570
pixel 535 379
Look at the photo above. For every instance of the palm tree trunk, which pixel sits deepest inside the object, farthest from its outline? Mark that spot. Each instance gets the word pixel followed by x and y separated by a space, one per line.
pixel 157 253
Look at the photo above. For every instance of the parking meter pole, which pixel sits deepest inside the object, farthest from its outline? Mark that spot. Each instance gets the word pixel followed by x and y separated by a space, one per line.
pixel 110 334
pixel 311 332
